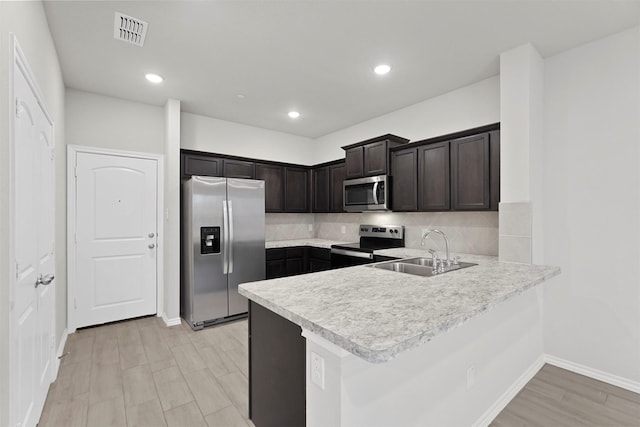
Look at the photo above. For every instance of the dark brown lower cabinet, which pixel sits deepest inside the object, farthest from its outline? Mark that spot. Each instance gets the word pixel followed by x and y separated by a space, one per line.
pixel 319 259
pixel 277 371
pixel 296 260
pixel 284 262
pixel 276 263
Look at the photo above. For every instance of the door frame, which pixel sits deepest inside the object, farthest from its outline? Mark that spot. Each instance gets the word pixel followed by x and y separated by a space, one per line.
pixel 72 151
pixel 19 59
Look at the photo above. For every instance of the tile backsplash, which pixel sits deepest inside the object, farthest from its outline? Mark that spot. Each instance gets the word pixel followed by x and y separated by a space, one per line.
pixel 289 226
pixel 468 232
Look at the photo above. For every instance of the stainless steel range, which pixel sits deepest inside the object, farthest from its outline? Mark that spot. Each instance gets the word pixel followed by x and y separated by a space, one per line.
pixel 372 237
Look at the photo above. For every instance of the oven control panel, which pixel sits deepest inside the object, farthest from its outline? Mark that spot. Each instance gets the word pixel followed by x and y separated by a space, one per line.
pixel 387 231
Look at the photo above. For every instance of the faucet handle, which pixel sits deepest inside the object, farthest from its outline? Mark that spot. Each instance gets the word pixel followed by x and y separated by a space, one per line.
pixel 455 260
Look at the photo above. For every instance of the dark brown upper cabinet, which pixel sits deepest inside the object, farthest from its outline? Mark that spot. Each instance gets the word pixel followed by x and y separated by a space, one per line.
pixel 370 157
pixel 458 171
pixel 273 177
pixel 336 182
pixel 433 177
pixel 471 173
pixel 494 154
pixel 376 158
pixel 327 183
pixel 321 189
pixel 354 162
pixel 404 193
pixel 239 169
pixel 475 172
pixel 201 165
pixel 296 193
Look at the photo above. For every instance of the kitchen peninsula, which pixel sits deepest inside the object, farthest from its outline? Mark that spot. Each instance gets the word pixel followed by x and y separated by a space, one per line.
pixel 389 348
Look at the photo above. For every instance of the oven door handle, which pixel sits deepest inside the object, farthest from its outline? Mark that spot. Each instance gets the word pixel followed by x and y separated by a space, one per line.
pixel 352 253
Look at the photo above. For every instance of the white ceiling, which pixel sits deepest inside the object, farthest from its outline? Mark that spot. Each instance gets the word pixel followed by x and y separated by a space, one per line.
pixel 312 56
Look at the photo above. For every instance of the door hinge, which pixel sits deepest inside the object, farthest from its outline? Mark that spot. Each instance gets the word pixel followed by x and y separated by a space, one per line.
pixel 17 270
pixel 53 341
pixel 75 171
pixel 18 108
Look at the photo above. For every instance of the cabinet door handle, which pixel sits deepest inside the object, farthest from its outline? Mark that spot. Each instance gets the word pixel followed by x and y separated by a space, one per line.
pixel 151 246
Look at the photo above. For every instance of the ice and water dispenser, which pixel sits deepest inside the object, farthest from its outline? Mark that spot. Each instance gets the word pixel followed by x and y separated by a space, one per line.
pixel 209 240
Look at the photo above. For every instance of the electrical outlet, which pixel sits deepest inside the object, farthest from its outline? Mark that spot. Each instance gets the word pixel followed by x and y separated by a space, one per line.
pixel 317 370
pixel 343 229
pixel 471 377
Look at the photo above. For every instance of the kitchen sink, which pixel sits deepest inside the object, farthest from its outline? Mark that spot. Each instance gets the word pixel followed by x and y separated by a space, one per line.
pixel 401 267
pixel 427 262
pixel 418 266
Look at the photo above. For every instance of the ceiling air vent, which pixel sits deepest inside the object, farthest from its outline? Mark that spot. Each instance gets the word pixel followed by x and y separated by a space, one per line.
pixel 129 29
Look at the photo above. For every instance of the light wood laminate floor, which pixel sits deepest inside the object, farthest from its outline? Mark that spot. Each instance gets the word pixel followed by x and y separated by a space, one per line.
pixel 142 373
pixel 557 397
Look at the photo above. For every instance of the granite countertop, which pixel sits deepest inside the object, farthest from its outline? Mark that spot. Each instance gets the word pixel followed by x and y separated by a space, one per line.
pixel 318 243
pixel 376 314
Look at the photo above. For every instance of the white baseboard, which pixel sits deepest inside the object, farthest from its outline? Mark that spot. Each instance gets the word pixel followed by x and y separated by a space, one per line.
pixel 170 322
pixel 593 373
pixel 493 411
pixel 63 342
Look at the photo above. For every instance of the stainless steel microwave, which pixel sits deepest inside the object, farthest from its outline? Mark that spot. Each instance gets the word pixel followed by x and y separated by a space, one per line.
pixel 367 194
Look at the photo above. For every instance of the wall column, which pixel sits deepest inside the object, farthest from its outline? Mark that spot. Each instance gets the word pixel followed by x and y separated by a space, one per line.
pixel 171 215
pixel 521 107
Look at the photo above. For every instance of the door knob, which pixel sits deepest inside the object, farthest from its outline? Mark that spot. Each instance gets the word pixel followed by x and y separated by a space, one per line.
pixel 44 280
pixel 151 246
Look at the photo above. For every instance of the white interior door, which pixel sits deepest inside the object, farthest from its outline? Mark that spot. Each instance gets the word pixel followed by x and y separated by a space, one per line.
pixel 116 238
pixel 32 347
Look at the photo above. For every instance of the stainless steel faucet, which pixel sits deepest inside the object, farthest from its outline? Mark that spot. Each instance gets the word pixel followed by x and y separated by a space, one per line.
pixel 446 242
pixel 434 260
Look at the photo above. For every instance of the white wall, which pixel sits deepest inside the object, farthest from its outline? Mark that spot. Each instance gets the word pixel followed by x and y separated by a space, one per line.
pixel 28 22
pixel 468 107
pixel 591 204
pixel 219 136
pixel 106 122
pixel 427 386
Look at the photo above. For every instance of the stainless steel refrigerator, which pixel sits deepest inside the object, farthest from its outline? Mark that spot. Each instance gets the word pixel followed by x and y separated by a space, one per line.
pixel 222 247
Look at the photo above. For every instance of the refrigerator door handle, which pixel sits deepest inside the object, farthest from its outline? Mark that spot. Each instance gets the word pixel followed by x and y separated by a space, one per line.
pixel 230 244
pixel 225 234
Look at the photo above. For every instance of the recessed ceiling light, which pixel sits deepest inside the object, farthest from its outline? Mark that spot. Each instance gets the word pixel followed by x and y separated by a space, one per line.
pixel 153 78
pixel 382 69
pixel 240 96
pixel 294 114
